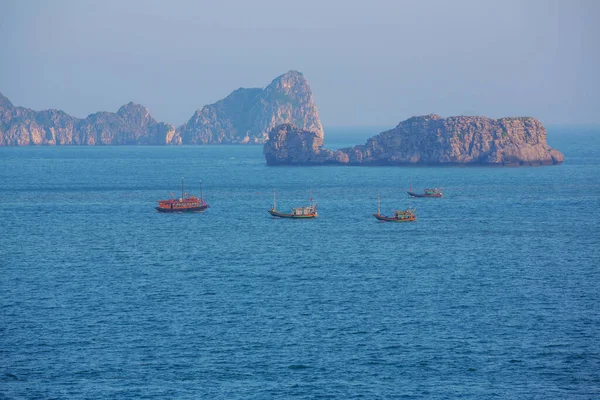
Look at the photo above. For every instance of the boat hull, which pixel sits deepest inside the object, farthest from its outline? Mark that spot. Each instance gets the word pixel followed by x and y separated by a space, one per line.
pixel 393 219
pixel 291 216
pixel 413 194
pixel 179 210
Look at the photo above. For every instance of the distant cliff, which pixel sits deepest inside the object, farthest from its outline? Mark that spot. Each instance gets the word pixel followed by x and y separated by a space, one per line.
pixel 245 116
pixel 425 140
pixel 291 145
pixel 132 124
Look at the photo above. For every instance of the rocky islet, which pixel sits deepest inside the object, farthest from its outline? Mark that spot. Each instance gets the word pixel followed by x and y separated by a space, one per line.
pixel 424 140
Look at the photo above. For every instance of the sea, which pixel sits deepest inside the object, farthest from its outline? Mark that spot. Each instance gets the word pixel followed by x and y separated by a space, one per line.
pixel 494 292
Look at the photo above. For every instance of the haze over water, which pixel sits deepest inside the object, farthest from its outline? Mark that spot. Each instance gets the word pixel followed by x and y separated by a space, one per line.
pixel 368 63
pixel 492 293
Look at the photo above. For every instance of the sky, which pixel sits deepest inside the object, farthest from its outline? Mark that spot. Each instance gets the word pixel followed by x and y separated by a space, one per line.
pixel 372 62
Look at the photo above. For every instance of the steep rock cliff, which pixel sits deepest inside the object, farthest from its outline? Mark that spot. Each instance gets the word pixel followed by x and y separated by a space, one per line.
pixel 247 115
pixel 22 126
pixel 433 140
pixel 226 121
pixel 132 124
pixel 288 144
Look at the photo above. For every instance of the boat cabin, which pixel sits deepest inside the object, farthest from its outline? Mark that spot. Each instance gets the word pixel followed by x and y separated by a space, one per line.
pixel 308 210
pixel 406 214
pixel 433 191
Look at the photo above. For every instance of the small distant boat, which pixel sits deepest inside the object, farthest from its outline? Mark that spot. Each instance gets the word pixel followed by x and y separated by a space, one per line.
pixel 435 192
pixel 184 204
pixel 408 215
pixel 305 212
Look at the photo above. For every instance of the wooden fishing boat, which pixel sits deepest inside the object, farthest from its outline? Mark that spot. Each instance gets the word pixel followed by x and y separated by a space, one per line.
pixel 184 204
pixel 408 215
pixel 434 192
pixel 306 212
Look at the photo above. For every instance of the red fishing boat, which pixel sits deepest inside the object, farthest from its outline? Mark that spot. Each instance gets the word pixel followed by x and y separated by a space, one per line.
pixel 183 204
pixel 408 215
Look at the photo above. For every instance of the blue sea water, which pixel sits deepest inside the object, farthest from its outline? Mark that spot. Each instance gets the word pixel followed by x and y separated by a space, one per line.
pixel 492 293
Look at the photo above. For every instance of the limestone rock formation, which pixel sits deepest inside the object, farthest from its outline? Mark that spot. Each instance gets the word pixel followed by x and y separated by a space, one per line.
pixel 132 124
pixel 433 140
pixel 247 115
pixel 288 144
pixel 22 126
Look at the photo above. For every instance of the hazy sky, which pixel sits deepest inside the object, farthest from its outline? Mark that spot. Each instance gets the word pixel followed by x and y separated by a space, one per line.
pixel 373 62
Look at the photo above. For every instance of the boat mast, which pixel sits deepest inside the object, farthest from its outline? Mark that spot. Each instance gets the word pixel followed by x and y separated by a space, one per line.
pixel 182 187
pixel 378 205
pixel 410 184
pixel 274 200
pixel 200 190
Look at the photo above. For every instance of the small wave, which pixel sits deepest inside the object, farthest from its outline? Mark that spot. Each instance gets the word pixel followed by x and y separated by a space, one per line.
pixel 298 366
pixel 11 377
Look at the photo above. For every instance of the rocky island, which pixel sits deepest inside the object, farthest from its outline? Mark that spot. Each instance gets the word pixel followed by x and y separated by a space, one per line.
pixel 245 116
pixel 131 124
pixel 423 140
